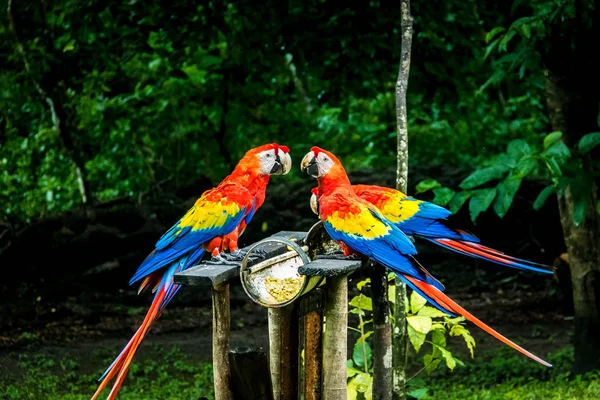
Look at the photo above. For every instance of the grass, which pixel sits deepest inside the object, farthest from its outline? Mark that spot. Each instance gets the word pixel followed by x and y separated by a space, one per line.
pixel 500 375
pixel 173 376
pixel 505 376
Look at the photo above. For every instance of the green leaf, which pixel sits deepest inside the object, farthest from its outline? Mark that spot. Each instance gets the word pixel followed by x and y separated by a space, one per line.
pixel 525 166
pixel 363 302
pixel 392 294
pixel 598 207
pixel 420 324
pixel 416 302
pixel 70 46
pixel 431 312
pixel 364 337
pixel 427 184
pixel 196 75
pixel 459 330
pixel 416 338
pixel 447 356
pixel 362 352
pixel 480 177
pixel 558 151
pixel 588 142
pixel 350 371
pixel 552 138
pixel 525 30
pixel 517 149
pixel 580 193
pixel 430 363
pixel 439 338
pixel 362 283
pixel 553 166
pixel 443 195
pixel 506 193
pixel 458 200
pixel 363 380
pixel 543 196
pixel 351 390
pixel 505 39
pixel 481 201
pixel 504 162
pixel 490 35
pixel 490 48
pixel 419 393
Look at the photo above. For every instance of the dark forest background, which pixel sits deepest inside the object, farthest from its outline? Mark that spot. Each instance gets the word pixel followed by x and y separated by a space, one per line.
pixel 116 116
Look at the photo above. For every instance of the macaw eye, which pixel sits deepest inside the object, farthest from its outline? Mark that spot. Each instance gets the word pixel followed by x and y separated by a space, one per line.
pixel 269 155
pixel 325 159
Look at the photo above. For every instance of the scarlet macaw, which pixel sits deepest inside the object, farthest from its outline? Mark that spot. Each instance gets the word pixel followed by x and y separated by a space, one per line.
pixel 212 225
pixel 429 221
pixel 361 228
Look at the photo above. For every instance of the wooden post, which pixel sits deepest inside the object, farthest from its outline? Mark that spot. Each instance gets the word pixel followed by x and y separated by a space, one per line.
pixel 283 352
pixel 400 334
pixel 335 339
pixel 311 307
pixel 220 339
pixel 382 334
pixel 250 379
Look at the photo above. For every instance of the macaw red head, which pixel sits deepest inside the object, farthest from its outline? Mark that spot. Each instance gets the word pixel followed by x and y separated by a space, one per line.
pixel 319 163
pixel 269 159
pixel 314 200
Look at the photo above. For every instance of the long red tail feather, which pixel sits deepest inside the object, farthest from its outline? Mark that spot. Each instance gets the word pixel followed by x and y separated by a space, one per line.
pixel 123 362
pixel 478 250
pixel 451 305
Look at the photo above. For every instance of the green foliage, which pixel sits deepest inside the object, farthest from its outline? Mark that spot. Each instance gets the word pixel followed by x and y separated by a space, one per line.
pixel 62 379
pixel 552 161
pixel 156 94
pixel 425 324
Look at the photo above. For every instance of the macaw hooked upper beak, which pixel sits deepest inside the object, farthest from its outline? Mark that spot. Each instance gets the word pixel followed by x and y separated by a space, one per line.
pixel 282 165
pixel 309 165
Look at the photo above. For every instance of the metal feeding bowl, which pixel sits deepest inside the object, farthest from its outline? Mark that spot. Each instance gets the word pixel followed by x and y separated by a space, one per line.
pixel 275 282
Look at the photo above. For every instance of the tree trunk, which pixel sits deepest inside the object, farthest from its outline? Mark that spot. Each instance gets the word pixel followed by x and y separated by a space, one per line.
pixel 573 109
pixel 400 333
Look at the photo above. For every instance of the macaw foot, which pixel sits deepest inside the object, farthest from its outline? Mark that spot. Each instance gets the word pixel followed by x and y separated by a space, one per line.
pixel 223 259
pixel 338 255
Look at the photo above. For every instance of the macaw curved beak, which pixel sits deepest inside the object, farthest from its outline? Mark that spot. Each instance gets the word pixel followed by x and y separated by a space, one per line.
pixel 282 165
pixel 309 165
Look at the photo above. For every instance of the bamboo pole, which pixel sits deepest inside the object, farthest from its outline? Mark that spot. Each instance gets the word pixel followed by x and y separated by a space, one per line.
pixel 220 339
pixel 335 339
pixel 400 333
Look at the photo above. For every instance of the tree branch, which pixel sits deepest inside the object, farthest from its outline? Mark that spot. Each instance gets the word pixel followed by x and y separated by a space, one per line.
pixel 400 333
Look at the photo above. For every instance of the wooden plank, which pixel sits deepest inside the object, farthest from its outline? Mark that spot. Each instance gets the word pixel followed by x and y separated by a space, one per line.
pixel 283 352
pixel 212 273
pixel 250 378
pixel 382 334
pixel 335 339
pixel 329 267
pixel 220 339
